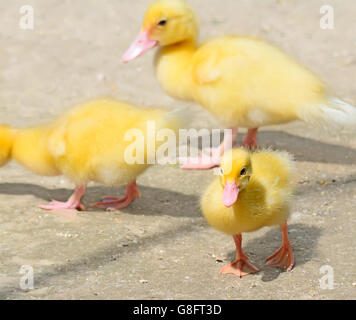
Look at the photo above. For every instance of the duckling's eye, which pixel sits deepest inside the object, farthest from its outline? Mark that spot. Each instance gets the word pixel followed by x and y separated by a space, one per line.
pixel 162 23
pixel 221 171
pixel 243 172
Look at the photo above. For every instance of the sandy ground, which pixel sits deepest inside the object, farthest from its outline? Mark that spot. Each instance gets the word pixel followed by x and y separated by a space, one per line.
pixel 74 54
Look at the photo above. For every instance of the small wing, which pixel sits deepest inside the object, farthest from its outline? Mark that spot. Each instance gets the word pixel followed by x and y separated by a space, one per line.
pixel 206 67
pixel 57 140
pixel 275 168
pixel 213 59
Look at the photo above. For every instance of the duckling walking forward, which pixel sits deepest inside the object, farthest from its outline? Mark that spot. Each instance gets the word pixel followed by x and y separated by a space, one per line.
pixel 88 144
pixel 244 81
pixel 253 191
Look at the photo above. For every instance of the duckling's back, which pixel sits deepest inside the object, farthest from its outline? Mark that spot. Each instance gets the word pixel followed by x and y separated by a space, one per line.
pixel 273 168
pixel 241 79
pixel 273 172
pixel 89 142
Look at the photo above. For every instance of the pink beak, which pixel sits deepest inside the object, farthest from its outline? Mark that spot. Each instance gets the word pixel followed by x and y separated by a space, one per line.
pixel 231 192
pixel 142 44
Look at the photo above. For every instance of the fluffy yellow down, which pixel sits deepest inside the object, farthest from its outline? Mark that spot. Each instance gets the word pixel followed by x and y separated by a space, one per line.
pixel 86 144
pixel 244 81
pixel 263 201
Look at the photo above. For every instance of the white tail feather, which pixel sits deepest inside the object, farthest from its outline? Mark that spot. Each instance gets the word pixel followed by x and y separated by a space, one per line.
pixel 180 118
pixel 335 115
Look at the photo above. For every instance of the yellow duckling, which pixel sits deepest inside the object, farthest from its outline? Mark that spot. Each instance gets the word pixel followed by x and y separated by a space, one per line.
pixel 89 143
pixel 252 192
pixel 244 81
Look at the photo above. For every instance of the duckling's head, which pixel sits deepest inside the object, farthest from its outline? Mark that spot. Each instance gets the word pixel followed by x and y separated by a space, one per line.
pixel 236 171
pixel 6 142
pixel 166 22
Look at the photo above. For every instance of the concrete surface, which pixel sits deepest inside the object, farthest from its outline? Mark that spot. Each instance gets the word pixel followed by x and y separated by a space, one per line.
pixel 161 247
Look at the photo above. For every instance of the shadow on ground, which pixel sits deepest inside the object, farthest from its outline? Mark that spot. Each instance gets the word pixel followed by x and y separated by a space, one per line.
pixel 154 201
pixel 303 238
pixel 101 257
pixel 304 149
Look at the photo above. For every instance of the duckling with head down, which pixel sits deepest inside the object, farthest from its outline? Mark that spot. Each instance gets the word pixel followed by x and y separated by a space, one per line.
pixel 253 191
pixel 244 81
pixel 91 142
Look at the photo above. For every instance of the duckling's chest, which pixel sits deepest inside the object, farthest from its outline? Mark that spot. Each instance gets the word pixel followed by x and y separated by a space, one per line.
pixel 234 220
pixel 174 75
pixel 241 217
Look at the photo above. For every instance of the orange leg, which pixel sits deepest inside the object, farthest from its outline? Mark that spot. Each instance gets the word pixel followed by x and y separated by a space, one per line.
pixel 240 267
pixel 250 139
pixel 211 157
pixel 72 203
pixel 283 257
pixel 116 203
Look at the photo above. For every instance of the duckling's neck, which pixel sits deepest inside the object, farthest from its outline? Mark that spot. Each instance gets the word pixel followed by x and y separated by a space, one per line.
pixel 173 69
pixel 30 149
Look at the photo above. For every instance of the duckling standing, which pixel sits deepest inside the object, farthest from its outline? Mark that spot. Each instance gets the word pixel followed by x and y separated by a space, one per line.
pixel 244 81
pixel 253 191
pixel 87 144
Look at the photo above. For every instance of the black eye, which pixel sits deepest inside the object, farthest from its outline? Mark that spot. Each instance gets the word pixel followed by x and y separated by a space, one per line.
pixel 243 172
pixel 221 171
pixel 162 23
